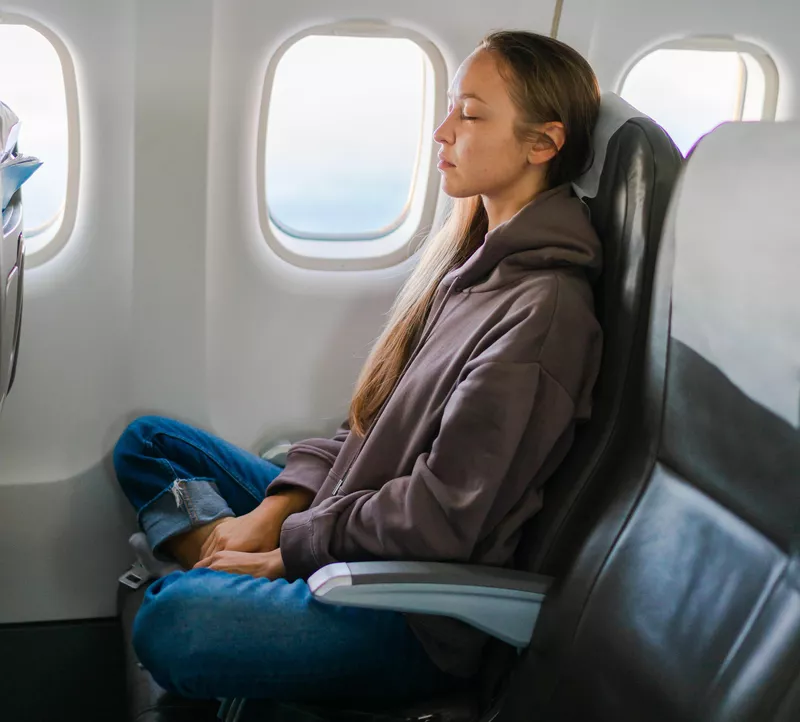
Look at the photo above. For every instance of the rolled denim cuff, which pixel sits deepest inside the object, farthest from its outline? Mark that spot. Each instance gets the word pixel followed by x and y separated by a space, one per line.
pixel 184 505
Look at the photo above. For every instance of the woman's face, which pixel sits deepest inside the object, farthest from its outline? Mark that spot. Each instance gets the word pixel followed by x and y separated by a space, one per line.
pixel 480 153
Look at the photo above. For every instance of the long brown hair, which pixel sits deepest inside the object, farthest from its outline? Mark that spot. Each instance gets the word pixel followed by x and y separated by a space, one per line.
pixel 548 81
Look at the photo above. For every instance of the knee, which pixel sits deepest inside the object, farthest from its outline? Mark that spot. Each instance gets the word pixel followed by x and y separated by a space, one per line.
pixel 166 636
pixel 135 441
pixel 179 634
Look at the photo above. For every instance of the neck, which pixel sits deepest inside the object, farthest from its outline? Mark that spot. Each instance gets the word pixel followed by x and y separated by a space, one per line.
pixel 501 208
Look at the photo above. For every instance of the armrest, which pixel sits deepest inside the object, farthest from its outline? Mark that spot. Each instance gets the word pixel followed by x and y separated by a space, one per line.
pixel 502 602
pixel 277 453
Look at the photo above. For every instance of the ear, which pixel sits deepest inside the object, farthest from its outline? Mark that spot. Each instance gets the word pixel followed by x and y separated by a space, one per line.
pixel 543 149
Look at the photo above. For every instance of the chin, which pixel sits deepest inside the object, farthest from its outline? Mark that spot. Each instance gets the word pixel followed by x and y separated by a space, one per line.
pixel 456 190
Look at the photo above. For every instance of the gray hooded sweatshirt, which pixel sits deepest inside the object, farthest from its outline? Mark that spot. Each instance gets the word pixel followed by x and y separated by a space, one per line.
pixel 484 411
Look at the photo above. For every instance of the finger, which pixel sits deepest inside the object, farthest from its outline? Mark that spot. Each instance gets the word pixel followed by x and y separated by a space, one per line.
pixel 220 565
pixel 209 545
pixel 229 568
pixel 205 562
pixel 205 549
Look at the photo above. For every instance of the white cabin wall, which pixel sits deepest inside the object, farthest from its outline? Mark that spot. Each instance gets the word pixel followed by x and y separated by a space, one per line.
pixel 173 64
pixel 614 33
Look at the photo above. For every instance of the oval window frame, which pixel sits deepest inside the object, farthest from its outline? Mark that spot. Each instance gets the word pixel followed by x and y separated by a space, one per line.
pixel 392 244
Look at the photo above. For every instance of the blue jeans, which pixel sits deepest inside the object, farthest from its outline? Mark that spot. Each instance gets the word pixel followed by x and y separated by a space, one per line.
pixel 211 634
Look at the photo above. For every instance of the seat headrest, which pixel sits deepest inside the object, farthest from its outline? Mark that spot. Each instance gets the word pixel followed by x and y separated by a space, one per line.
pixel 614 113
pixel 735 293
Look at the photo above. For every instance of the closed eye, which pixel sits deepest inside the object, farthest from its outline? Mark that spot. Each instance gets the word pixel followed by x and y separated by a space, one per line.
pixel 468 117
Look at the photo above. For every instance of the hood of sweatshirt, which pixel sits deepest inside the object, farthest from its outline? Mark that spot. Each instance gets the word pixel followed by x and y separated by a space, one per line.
pixel 552 231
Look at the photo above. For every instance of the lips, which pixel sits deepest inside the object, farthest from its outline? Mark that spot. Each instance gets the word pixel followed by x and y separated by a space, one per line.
pixel 444 163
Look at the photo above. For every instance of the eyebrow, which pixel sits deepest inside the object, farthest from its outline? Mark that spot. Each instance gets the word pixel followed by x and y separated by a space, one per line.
pixel 463 96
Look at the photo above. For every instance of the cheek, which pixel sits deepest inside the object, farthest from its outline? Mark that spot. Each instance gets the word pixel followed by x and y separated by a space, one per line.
pixel 490 157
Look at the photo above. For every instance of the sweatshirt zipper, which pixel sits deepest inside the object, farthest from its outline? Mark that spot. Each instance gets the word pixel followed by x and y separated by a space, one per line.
pixel 414 354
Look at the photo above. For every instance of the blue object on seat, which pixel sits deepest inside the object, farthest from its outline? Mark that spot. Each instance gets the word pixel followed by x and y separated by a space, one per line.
pixel 13 173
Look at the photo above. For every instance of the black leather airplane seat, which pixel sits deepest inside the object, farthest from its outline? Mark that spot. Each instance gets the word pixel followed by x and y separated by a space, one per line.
pixel 684 602
pixel 628 201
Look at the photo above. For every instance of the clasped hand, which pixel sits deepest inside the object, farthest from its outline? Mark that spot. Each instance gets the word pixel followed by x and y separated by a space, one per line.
pixel 248 544
pixel 256 564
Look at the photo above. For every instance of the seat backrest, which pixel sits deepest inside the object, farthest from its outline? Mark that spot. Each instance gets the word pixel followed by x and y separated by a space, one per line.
pixel 627 189
pixel 684 603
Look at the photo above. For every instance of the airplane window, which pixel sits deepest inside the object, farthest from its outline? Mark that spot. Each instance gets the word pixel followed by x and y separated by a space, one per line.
pixel 345 131
pixel 32 85
pixel 691 90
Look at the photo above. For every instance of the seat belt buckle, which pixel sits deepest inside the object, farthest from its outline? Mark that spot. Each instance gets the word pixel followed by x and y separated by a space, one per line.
pixel 230 709
pixel 136 576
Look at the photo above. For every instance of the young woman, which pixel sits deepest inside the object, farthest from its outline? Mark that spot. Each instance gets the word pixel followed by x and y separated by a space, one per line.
pixel 466 404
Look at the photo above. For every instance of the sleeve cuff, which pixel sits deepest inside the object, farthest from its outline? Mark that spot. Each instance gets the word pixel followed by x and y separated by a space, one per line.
pixel 297 546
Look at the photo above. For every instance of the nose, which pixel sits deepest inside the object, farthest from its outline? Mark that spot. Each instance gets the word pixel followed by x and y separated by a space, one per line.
pixel 444 134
